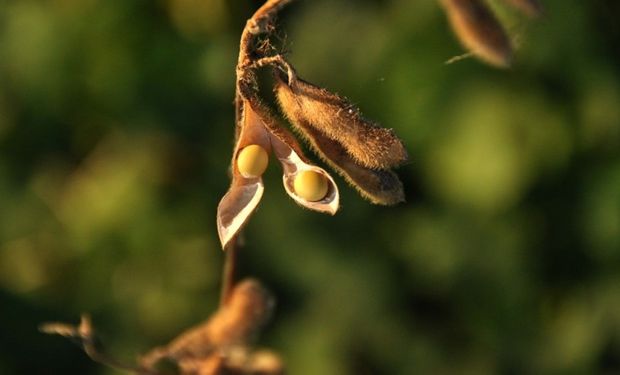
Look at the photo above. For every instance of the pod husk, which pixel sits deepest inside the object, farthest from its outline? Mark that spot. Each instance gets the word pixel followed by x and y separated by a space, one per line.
pixel 368 144
pixel 233 325
pixel 244 194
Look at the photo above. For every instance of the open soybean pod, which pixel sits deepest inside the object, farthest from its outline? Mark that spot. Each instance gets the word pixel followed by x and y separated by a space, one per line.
pixel 310 186
pixel 479 31
pixel 248 164
pixel 317 193
pixel 380 186
pixel 369 144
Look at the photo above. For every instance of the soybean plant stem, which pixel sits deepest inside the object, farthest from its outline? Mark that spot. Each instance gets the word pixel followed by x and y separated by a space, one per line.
pixel 258 24
pixel 229 273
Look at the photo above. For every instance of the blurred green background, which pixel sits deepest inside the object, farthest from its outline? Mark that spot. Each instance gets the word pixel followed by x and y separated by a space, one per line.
pixel 116 127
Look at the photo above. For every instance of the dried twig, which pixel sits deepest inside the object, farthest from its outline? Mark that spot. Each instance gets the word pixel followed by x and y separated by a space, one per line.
pixel 84 335
pixel 220 345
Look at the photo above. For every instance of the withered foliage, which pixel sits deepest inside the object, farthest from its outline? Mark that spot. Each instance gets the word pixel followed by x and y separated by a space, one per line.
pixel 220 346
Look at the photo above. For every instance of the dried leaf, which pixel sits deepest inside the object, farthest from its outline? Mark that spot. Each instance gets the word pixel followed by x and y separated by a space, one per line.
pixel 290 155
pixel 378 186
pixel 213 365
pixel 244 193
pixel 479 31
pixel 369 144
pixel 532 8
pixel 234 325
pixel 237 322
pixel 239 361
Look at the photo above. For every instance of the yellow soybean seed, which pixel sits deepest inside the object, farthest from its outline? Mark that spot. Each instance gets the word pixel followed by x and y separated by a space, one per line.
pixel 252 161
pixel 310 185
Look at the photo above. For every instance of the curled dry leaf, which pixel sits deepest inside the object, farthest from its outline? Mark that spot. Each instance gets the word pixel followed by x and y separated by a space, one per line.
pixel 479 31
pixel 244 193
pixel 369 144
pixel 213 365
pixel 532 8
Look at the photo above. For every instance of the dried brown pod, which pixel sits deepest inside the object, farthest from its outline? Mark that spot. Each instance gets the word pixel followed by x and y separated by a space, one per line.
pixel 380 186
pixel 479 31
pixel 532 8
pixel 244 193
pixel 237 322
pixel 369 144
